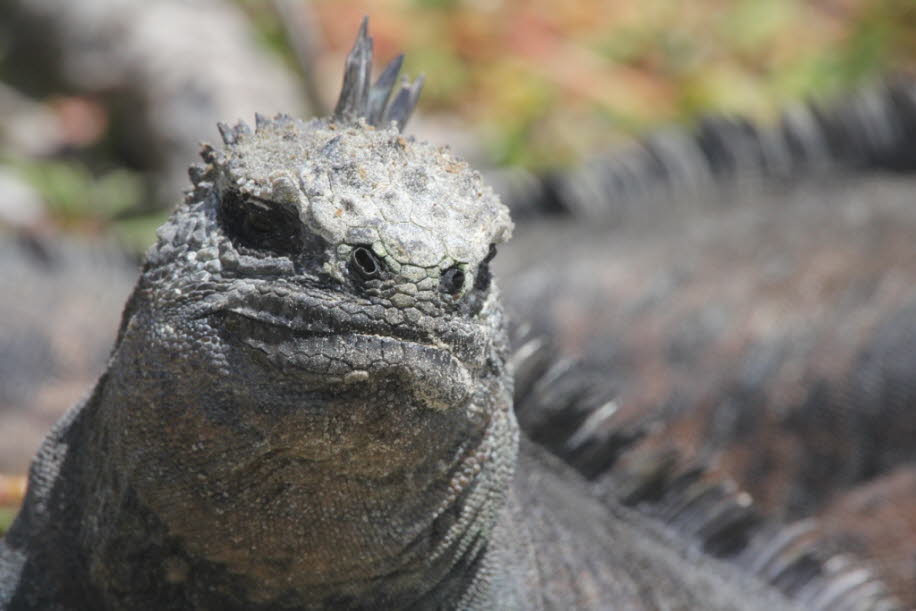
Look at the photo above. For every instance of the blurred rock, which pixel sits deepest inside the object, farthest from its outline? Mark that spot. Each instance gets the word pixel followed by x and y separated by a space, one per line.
pixel 169 70
pixel 27 127
pixel 20 204
pixel 60 305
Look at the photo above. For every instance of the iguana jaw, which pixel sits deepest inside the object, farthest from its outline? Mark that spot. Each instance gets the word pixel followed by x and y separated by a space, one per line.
pixel 309 493
pixel 346 360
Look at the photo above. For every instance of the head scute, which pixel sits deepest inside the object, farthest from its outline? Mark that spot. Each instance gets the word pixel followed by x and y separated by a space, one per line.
pixel 358 99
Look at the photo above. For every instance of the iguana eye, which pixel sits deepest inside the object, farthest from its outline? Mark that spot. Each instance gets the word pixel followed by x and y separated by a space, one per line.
pixel 260 224
pixel 364 265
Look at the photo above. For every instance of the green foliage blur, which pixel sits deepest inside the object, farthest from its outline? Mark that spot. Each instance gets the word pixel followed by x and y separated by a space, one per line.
pixel 543 82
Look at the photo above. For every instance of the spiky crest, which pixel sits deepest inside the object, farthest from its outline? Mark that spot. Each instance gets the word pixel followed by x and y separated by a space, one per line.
pixel 559 408
pixel 358 99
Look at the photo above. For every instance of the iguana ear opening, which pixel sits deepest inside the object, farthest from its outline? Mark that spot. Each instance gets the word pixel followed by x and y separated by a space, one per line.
pixel 484 277
pixel 358 99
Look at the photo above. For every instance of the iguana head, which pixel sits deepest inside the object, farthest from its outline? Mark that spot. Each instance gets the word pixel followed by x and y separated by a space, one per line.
pixel 315 338
pixel 342 232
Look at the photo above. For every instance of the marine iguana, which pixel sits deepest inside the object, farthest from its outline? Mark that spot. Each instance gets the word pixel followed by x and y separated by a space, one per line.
pixel 309 405
pixel 741 294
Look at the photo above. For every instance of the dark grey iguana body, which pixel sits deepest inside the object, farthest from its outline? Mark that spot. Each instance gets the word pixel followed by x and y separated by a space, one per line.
pixel 309 405
pixel 775 342
pixel 763 326
pixel 742 295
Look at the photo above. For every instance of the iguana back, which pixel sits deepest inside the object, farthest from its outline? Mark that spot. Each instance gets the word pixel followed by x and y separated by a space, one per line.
pixel 767 332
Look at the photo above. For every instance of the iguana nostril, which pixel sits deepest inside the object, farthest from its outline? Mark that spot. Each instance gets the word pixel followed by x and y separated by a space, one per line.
pixel 364 264
pixel 452 281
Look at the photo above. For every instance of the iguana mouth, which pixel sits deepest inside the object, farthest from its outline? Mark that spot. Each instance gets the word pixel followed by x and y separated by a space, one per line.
pixel 353 355
pixel 305 315
pixel 309 322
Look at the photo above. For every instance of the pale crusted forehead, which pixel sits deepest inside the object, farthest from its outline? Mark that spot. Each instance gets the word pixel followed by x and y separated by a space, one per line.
pixel 354 184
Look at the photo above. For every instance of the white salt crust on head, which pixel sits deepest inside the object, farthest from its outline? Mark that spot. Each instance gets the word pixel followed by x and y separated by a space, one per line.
pixel 415 204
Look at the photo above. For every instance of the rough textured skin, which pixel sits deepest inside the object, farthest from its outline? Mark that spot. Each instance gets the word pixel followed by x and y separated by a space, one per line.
pixel 309 405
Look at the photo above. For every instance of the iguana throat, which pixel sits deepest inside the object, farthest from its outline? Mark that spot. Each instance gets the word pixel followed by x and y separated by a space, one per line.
pixel 363 495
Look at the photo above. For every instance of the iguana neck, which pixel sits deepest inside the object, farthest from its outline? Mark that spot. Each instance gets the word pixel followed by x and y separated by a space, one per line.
pixel 399 516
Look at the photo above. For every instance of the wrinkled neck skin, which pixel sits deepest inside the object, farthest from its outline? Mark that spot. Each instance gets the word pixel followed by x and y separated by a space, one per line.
pixel 246 490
